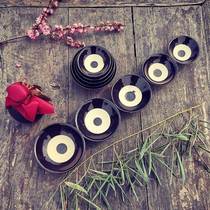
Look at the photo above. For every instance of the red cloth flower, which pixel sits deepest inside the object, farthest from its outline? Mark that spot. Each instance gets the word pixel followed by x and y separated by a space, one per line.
pixel 27 101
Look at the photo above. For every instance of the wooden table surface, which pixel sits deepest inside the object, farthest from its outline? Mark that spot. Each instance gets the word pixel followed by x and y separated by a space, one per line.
pixel 150 25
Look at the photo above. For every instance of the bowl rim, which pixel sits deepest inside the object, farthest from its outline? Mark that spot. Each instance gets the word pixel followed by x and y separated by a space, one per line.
pixel 98 46
pixel 93 80
pixel 168 80
pixel 80 159
pixel 178 61
pixel 109 102
pixel 130 111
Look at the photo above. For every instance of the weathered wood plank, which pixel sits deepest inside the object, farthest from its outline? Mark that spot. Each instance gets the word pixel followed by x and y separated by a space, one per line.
pixel 24 185
pixel 100 3
pixel 122 48
pixel 190 87
pixel 206 18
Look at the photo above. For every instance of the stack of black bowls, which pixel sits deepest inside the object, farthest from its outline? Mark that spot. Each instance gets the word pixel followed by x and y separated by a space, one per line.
pixel 93 67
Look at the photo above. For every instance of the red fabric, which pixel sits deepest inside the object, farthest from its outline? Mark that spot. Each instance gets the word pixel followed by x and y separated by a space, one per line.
pixel 20 98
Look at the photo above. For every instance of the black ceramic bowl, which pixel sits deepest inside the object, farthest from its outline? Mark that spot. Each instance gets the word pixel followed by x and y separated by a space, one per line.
pixel 94 61
pixel 93 67
pixel 183 49
pixel 159 69
pixel 59 148
pixel 131 93
pixel 18 117
pixel 97 119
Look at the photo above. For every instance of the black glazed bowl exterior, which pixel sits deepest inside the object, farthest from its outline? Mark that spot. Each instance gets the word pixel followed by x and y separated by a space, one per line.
pixel 18 117
pixel 98 103
pixel 186 40
pixel 91 80
pixel 42 141
pixel 93 83
pixel 164 59
pixel 136 81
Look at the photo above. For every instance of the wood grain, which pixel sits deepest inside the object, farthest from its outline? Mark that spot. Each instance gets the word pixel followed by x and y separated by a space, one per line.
pixel 100 3
pixel 24 185
pixel 190 87
pixel 206 18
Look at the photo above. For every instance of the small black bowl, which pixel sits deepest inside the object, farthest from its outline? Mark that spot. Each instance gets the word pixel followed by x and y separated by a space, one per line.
pixel 59 148
pixel 18 117
pixel 97 119
pixel 159 69
pixel 94 61
pixel 183 49
pixel 131 93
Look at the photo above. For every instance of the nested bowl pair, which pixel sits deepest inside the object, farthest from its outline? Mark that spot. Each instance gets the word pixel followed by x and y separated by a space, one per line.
pixel 160 69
